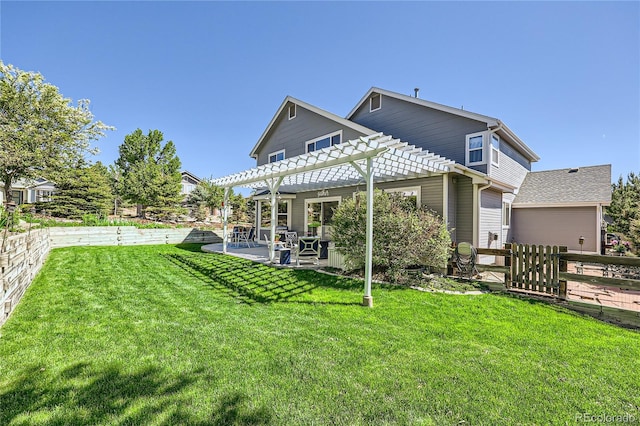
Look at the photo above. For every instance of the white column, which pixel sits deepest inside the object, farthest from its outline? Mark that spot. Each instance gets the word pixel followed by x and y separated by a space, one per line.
pixel 225 218
pixel 367 300
pixel 367 174
pixel 273 186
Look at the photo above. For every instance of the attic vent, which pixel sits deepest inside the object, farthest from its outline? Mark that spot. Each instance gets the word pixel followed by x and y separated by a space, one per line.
pixel 573 170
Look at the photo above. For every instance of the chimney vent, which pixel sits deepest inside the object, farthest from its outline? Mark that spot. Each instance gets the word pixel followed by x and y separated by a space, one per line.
pixel 416 90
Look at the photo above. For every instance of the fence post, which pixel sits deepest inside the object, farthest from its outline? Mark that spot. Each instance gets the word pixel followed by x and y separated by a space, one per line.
pixel 562 288
pixel 507 264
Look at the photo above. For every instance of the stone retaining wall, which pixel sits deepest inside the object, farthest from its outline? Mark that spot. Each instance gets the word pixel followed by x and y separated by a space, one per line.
pixel 22 255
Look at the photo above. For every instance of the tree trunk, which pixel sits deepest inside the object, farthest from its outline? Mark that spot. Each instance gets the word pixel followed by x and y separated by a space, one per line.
pixel 7 191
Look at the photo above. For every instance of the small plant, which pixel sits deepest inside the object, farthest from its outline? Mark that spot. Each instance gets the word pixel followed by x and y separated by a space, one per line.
pixel 620 246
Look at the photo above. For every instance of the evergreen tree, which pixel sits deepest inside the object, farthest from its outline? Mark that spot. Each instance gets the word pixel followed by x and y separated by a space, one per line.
pixel 80 191
pixel 150 173
pixel 625 207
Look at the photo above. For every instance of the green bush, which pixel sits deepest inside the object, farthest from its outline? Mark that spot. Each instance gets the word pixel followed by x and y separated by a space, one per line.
pixel 402 234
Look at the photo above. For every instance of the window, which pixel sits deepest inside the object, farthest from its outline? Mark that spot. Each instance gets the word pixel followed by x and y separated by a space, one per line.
pixel 276 156
pixel 16 197
pixel 282 214
pixel 375 102
pixel 324 141
pixel 475 149
pixel 506 215
pixel 320 215
pixel 412 194
pixel 495 150
pixel 292 111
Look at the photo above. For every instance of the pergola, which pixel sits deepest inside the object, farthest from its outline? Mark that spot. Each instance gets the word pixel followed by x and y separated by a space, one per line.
pixel 375 158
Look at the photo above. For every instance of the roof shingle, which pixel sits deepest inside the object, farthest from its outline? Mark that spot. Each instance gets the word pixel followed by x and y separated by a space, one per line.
pixel 566 186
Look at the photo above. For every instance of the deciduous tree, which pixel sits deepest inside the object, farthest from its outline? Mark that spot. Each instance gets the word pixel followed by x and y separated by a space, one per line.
pixel 41 132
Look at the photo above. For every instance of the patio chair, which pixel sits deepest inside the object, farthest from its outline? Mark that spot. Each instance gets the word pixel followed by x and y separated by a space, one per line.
pixel 309 248
pixel 465 259
pixel 247 237
pixel 291 239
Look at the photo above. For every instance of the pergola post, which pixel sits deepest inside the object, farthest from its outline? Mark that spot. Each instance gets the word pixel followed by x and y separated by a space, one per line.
pixel 273 185
pixel 367 299
pixel 225 219
pixel 367 174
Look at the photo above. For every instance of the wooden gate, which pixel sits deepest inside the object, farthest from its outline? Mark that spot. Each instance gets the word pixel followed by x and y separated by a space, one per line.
pixel 536 269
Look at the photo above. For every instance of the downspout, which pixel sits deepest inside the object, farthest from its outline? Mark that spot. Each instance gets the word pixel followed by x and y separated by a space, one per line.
pixel 477 195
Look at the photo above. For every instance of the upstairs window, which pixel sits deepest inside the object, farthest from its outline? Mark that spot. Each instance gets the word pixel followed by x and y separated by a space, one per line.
pixel 276 156
pixel 375 102
pixel 475 149
pixel 495 150
pixel 292 111
pixel 324 141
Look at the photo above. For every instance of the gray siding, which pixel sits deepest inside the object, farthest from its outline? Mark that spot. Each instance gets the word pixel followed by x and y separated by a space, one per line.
pixel 439 132
pixel 507 233
pixel 291 135
pixel 490 219
pixel 561 226
pixel 464 209
pixel 509 170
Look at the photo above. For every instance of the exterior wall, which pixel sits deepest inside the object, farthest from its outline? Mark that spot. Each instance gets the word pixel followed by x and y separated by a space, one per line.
pixel 490 219
pixel 437 131
pixel 509 170
pixel 507 232
pixel 464 209
pixel 291 135
pixel 561 226
pixel 431 195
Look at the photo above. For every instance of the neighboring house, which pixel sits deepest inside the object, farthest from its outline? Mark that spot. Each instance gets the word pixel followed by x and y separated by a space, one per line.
pixel 29 191
pixel 189 182
pixel 557 207
pixel 484 164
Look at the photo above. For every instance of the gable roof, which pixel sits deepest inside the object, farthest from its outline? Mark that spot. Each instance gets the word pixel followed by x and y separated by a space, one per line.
pixel 492 123
pixel 344 122
pixel 187 173
pixel 565 187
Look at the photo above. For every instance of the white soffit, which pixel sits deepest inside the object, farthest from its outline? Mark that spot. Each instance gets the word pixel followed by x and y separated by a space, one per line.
pixel 330 167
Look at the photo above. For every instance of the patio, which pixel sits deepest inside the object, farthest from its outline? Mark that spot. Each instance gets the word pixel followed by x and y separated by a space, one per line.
pixel 260 253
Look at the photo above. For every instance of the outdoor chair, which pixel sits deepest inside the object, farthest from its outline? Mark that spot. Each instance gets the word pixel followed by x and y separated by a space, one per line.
pixel 291 239
pixel 465 257
pixel 309 248
pixel 247 236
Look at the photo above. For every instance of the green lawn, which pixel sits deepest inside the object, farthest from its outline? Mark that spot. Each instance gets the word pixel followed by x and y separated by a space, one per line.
pixel 170 335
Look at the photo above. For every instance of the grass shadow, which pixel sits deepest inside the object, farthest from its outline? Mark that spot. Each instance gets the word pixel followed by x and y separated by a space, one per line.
pixel 84 393
pixel 252 282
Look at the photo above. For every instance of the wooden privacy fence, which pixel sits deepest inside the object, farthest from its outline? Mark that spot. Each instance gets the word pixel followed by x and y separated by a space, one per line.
pixel 613 282
pixel 543 269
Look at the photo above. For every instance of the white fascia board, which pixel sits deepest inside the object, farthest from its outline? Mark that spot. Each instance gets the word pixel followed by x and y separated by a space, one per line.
pixel 523 147
pixel 326 114
pixel 542 205
pixel 456 111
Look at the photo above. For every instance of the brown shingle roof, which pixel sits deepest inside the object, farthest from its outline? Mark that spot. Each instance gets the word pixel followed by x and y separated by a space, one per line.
pixel 566 186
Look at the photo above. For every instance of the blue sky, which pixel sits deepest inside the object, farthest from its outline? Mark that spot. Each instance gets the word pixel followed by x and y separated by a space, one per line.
pixel 564 76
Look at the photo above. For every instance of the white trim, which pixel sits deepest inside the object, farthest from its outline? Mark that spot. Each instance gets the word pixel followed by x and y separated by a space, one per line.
pixel 543 205
pixel 326 114
pixel 504 227
pixel 307 201
pixel 490 121
pixel 495 149
pixel 483 149
pixel 328 135
pixel 417 189
pixel 276 154
pixel 295 111
pixel 259 213
pixel 371 109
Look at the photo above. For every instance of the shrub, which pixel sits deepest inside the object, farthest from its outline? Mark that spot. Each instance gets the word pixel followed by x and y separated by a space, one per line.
pixel 402 234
